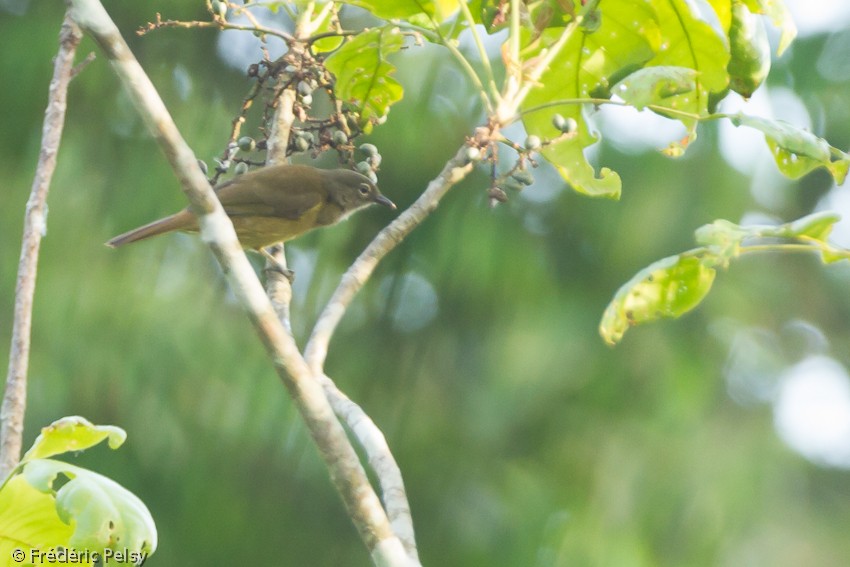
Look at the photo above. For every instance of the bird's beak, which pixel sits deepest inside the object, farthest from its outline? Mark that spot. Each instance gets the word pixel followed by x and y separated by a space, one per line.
pixel 385 202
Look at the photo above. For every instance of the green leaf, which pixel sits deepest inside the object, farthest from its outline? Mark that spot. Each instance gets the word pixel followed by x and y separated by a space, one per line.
pixel 691 43
pixel 675 285
pixel 363 73
pixel 654 86
pixel 749 64
pixel 439 10
pixel 723 239
pixel 102 513
pixel 817 226
pixel 588 65
pixel 796 151
pixel 779 16
pixel 28 520
pixel 668 288
pixel 73 434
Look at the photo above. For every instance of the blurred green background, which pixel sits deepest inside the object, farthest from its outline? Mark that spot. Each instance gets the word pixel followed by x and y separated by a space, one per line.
pixel 523 439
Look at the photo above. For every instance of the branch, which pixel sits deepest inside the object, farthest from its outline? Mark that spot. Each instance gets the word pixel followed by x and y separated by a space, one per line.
pixel 381 461
pixel 347 474
pixel 356 276
pixel 35 224
pixel 279 290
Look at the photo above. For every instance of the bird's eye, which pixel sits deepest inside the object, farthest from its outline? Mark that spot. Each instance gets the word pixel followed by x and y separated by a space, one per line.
pixel 364 189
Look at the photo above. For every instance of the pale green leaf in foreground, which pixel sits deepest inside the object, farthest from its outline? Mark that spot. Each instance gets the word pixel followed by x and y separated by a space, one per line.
pixel 73 434
pixel 28 520
pixel 103 513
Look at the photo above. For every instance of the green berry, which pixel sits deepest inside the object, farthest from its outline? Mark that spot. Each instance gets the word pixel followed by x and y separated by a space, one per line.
pixel 339 138
pixel 532 143
pixel 565 125
pixel 363 167
pixel 472 154
pixel 220 8
pixel 375 161
pixel 302 144
pixel 246 144
pixel 369 149
pixel 241 168
pixel 304 88
pixel 307 100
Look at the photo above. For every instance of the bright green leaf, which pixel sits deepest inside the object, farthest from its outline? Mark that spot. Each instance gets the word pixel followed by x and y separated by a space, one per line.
pixel 73 434
pixel 439 10
pixel 691 43
pixel 28 520
pixel 796 151
pixel 587 66
pixel 723 10
pixel 103 513
pixel 654 86
pixel 363 73
pixel 668 288
pixel 779 16
pixel 749 64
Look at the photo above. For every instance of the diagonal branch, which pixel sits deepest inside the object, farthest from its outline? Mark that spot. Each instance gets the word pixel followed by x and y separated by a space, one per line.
pixel 35 224
pixel 347 473
pixel 391 236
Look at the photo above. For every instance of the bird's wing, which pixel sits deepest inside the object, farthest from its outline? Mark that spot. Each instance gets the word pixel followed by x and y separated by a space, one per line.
pixel 256 194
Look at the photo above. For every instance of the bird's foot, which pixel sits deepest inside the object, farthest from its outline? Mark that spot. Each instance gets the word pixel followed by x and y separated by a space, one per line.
pixel 276 267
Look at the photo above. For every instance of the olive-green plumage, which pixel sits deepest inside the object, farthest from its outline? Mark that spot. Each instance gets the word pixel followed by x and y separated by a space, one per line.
pixel 276 204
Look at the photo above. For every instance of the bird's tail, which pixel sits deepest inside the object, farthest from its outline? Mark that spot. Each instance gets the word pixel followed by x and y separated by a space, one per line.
pixel 178 221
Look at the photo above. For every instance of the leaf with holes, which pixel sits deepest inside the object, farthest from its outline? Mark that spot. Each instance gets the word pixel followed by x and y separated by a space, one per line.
pixel 102 513
pixel 363 74
pixel 796 151
pixel 668 288
pixel 588 65
pixel 692 43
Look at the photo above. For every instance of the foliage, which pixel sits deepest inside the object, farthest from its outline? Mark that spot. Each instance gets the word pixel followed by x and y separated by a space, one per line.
pixel 47 505
pixel 673 286
pixel 599 449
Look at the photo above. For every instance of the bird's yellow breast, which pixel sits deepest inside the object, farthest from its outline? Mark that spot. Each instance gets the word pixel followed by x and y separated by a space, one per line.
pixel 259 231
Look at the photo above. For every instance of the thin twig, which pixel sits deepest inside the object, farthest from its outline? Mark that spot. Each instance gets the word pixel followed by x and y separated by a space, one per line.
pixel 35 224
pixel 356 276
pixel 347 473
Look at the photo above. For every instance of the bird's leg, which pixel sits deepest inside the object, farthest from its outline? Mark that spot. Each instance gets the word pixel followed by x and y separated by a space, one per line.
pixel 277 266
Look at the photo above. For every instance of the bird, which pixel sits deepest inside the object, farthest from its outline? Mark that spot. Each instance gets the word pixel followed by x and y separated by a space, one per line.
pixel 276 204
